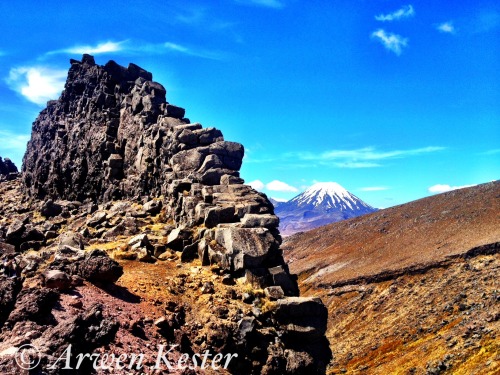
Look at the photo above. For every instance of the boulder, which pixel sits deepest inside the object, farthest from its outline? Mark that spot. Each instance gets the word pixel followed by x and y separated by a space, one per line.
pixel 245 327
pixel 6 248
pixel 7 167
pixel 34 304
pixel 15 232
pixel 141 240
pixel 176 238
pixel 258 221
pixel 282 278
pixel 56 279
pixel 72 240
pixel 96 219
pixel 302 317
pixel 51 209
pixel 173 111
pixel 9 289
pixel 152 207
pixel 94 266
pixel 274 292
pixel 245 247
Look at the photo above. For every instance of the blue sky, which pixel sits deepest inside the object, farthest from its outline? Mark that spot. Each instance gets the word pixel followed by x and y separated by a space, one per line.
pixel 394 100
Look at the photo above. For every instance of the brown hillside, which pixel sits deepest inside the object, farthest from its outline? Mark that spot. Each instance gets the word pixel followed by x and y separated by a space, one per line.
pixel 413 235
pixel 413 289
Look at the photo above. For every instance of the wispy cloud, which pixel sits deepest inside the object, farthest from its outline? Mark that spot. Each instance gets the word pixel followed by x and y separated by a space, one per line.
pixel 13 142
pixel 491 152
pixel 277 4
pixel 374 188
pixel 257 185
pixel 100 48
pixel 191 15
pixel 38 84
pixel 196 52
pixel 443 188
pixel 136 47
pixel 366 157
pixel 405 12
pixel 277 185
pixel 390 41
pixel 446 27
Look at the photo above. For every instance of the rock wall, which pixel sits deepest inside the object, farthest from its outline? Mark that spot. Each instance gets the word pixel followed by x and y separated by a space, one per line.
pixel 112 135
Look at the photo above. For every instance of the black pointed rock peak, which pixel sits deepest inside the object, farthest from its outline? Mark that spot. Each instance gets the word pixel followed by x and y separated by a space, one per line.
pixel 112 135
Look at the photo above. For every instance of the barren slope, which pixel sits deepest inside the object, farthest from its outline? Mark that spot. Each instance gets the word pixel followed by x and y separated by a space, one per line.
pixel 414 289
pixel 413 235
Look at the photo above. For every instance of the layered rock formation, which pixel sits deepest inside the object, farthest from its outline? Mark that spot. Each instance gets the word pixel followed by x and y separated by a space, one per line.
pixel 113 135
pixel 113 162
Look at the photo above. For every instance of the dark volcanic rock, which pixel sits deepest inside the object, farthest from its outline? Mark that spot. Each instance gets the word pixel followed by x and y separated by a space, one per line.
pixel 9 289
pixel 113 136
pixel 94 266
pixel 85 332
pixel 33 304
pixel 8 170
pixel 50 209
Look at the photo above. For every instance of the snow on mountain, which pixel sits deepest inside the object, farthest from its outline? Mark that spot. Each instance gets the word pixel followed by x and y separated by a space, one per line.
pixel 329 195
pixel 320 204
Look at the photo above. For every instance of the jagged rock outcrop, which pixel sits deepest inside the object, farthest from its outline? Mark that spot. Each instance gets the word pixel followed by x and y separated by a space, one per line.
pixel 112 135
pixel 111 150
pixel 8 169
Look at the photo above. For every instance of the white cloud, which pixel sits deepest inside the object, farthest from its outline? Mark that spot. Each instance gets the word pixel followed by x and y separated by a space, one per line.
pixel 38 84
pixel 491 152
pixel 100 48
pixel 367 157
pixel 446 27
pixel 354 165
pixel 197 52
pixel 280 186
pixel 138 48
pixel 443 188
pixel 390 41
pixel 281 200
pixel 405 12
pixel 374 188
pixel 257 185
pixel 277 4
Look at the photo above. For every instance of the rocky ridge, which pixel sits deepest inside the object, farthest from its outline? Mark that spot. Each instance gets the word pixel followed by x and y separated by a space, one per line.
pixel 112 135
pixel 114 174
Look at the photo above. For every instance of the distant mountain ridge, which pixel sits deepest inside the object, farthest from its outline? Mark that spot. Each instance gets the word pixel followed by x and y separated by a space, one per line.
pixel 322 203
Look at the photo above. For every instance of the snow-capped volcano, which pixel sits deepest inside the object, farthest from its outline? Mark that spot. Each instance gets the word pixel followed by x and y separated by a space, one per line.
pixel 329 195
pixel 322 203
